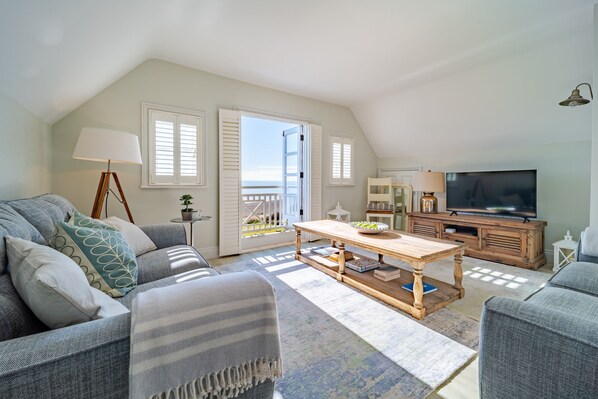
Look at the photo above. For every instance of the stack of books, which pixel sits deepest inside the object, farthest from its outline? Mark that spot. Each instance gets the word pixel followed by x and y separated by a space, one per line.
pixel 387 273
pixel 325 251
pixel 362 264
pixel 331 253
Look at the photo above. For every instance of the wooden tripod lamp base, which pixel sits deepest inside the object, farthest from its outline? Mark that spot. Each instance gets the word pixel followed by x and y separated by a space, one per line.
pixel 103 187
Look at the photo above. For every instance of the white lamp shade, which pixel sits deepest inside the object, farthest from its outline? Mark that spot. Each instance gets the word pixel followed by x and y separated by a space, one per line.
pixel 429 182
pixel 102 145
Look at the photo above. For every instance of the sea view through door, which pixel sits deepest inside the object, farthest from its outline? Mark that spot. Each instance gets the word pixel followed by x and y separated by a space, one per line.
pixel 272 184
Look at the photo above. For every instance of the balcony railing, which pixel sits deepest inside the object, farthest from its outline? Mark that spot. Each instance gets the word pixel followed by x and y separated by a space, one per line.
pixel 262 211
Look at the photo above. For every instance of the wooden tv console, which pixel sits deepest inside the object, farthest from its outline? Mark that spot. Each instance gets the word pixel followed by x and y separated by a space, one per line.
pixel 508 241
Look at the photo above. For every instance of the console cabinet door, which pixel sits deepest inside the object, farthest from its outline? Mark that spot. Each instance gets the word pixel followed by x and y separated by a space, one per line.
pixel 504 241
pixel 428 228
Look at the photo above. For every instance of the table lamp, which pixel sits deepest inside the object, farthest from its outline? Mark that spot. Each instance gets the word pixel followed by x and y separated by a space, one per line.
pixel 429 183
pixel 105 145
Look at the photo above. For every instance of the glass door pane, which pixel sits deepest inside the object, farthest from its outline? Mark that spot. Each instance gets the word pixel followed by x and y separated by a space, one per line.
pixel 291 170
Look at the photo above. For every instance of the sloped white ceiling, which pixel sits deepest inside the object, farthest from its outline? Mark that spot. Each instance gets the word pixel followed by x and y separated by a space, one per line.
pixel 420 76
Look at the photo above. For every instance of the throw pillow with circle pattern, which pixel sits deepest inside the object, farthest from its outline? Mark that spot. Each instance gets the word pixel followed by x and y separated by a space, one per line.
pixel 104 255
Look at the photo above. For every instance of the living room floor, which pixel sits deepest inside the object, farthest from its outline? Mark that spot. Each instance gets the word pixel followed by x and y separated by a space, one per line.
pixel 481 280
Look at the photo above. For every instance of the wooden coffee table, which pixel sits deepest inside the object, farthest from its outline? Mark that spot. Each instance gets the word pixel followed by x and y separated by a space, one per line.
pixel 416 250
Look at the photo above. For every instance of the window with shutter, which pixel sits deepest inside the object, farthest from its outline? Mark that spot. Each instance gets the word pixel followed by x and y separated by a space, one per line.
pixel 173 146
pixel 341 161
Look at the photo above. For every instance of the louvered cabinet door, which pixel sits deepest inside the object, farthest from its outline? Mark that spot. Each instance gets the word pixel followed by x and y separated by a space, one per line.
pixel 424 227
pixel 504 242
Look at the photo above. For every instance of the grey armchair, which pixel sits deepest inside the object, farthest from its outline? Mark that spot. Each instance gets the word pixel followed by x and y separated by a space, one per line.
pixel 545 346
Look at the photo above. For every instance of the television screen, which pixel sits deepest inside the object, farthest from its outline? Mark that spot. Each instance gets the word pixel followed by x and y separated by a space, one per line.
pixel 510 192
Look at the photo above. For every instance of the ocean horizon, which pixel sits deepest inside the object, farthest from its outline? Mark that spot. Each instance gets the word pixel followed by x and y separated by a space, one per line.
pixel 245 183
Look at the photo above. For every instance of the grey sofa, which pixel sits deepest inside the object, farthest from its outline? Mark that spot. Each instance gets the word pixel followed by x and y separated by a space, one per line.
pixel 88 360
pixel 545 346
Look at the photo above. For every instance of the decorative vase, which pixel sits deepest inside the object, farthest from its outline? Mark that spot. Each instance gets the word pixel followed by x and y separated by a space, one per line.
pixel 187 215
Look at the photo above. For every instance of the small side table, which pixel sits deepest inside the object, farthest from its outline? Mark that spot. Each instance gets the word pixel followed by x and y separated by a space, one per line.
pixel 565 252
pixel 199 219
pixel 339 214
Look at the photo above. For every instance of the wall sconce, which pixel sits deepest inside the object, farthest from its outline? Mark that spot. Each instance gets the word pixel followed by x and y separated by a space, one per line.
pixel 575 98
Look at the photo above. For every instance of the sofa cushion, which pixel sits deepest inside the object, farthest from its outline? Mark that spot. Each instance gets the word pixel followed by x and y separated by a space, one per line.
pixel 578 276
pixel 136 238
pixel 104 255
pixel 17 320
pixel 567 301
pixel 54 287
pixel 127 300
pixel 167 262
pixel 13 224
pixel 43 212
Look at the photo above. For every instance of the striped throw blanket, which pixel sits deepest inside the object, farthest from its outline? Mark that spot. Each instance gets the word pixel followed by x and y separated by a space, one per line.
pixel 212 337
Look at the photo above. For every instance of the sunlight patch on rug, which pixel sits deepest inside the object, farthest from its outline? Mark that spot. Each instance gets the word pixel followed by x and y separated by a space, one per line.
pixel 429 356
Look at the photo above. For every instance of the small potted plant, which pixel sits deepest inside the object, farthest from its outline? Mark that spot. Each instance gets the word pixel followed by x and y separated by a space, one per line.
pixel 186 212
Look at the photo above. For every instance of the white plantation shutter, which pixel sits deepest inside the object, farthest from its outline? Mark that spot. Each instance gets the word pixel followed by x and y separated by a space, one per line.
pixel 229 125
pixel 164 148
pixel 336 160
pixel 315 162
pixel 314 187
pixel 347 160
pixel 341 161
pixel 188 140
pixel 175 146
pixel 162 128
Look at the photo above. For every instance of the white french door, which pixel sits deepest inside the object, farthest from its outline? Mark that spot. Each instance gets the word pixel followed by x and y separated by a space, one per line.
pixel 300 196
pixel 292 174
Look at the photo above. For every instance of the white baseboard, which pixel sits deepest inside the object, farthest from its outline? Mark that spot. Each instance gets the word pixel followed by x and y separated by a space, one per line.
pixel 209 252
pixel 549 253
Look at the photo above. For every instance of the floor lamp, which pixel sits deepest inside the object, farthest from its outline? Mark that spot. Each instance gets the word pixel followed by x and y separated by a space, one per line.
pixel 110 146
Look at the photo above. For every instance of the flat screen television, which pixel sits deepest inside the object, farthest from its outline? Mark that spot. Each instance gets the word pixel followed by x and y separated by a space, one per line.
pixel 509 192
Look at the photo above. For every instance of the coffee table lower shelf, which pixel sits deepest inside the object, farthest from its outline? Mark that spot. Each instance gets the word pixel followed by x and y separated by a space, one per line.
pixel 391 291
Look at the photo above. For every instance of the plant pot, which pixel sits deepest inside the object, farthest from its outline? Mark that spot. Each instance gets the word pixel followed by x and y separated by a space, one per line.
pixel 187 215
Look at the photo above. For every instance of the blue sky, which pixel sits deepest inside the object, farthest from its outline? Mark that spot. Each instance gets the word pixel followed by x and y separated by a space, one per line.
pixel 261 148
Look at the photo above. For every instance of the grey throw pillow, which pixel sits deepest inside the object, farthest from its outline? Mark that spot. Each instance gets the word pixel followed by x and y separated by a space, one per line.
pixel 54 287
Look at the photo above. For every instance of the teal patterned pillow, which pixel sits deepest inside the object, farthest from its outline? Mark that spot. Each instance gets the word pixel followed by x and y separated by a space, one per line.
pixel 80 220
pixel 104 255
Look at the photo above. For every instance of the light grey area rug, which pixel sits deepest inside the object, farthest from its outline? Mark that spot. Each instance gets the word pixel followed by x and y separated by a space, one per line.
pixel 340 343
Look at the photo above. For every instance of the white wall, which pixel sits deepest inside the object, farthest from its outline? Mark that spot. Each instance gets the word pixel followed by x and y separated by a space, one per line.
pixel 119 107
pixel 493 97
pixel 24 152
pixel 563 179
pixel 594 182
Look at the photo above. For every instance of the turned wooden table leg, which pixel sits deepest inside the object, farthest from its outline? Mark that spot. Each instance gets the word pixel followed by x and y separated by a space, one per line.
pixel 341 261
pixel 298 244
pixel 418 311
pixel 459 275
